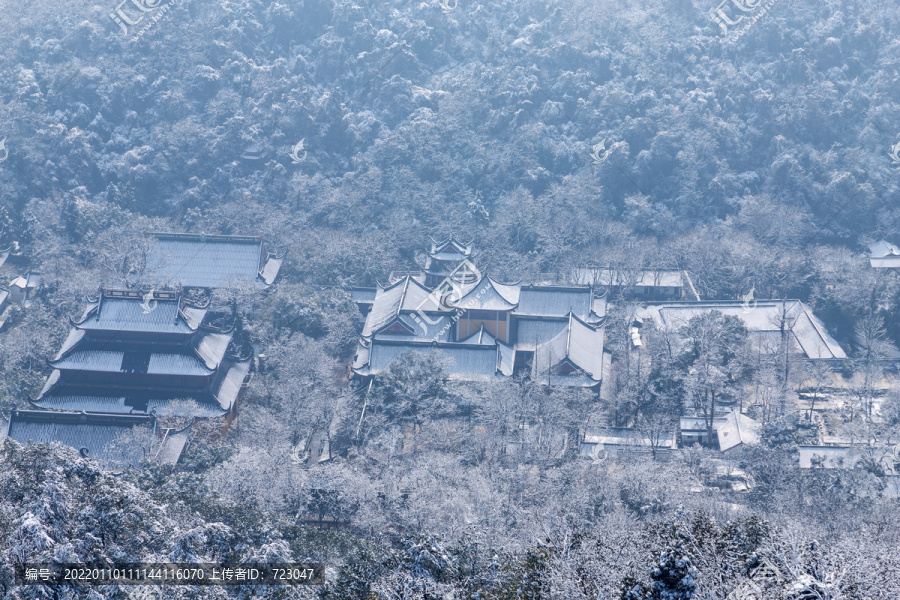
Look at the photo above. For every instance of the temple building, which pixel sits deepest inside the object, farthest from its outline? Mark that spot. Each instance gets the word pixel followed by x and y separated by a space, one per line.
pixel 212 261
pixel 482 328
pixel 133 352
pixel 109 438
pixel 140 353
pixel 767 321
pixel 23 287
pixel 444 257
pixel 152 356
pixel 884 255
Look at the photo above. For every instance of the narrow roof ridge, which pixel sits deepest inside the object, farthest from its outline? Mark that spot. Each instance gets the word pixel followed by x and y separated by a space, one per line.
pixel 204 237
pixel 45 414
pixel 555 286
pixel 402 296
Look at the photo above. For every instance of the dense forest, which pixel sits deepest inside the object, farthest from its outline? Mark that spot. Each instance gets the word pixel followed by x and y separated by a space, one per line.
pixel 556 135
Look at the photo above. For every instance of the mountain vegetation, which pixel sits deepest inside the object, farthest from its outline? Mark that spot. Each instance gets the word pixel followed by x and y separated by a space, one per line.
pixel 557 135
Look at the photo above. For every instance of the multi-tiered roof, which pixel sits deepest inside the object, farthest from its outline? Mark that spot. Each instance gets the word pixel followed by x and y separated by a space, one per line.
pixel 135 355
pixel 444 257
pixel 131 357
pixel 139 352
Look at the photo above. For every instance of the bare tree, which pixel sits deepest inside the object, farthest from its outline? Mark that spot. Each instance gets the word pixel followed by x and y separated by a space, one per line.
pixel 818 374
pixel 872 339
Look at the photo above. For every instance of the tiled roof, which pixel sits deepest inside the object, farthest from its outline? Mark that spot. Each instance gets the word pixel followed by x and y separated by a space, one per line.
pixel 578 345
pixel 482 336
pixel 72 340
pixel 737 429
pixel 206 261
pixel 731 429
pixel 211 347
pixel 110 361
pixel 132 315
pixel 489 295
pixel 27 281
pixel 193 316
pixel 554 301
pixel 177 364
pixel 891 262
pixel 69 399
pixel 461 361
pixel 884 254
pixel 230 384
pixel 363 295
pixel 360 362
pixel 406 295
pixel 530 333
pixel 598 307
pixel 695 423
pixel 451 248
pixel 77 403
pixel 539 313
pixel 92 432
pixel 51 383
pixel 172 446
pixel 430 327
pixel 206 405
pixel 271 266
pixel 762 318
pixel 107 361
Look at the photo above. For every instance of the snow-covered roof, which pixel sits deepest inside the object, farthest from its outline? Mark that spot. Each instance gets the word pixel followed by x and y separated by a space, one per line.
pixel 363 295
pixel 211 261
pixel 172 445
pixel 90 433
pixel 883 254
pixel 530 333
pixel 761 317
pixel 574 357
pixel 27 281
pixel 451 248
pixel 113 361
pixel 736 429
pixel 138 315
pixel 883 248
pixel 229 384
pixel 489 294
pixel 204 405
pixel 211 347
pixel 464 361
pixel 555 301
pixel 405 296
pixel 842 457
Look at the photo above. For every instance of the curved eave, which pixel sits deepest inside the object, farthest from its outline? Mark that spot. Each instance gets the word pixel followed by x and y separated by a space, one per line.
pixel 271 267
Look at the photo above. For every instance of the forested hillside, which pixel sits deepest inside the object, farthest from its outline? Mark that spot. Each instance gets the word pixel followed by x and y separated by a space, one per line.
pixel 408 110
pixel 557 135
